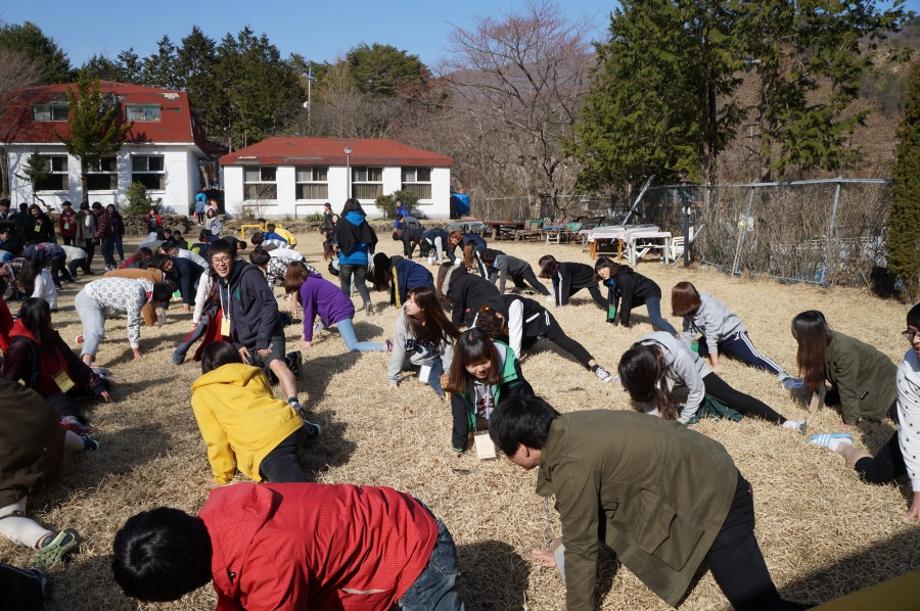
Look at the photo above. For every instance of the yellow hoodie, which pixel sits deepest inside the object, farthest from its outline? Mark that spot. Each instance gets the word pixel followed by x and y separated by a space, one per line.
pixel 240 419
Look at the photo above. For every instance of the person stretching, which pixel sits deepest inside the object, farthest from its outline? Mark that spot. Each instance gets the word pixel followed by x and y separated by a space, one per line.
pixel 721 329
pixel 568 279
pixel 467 293
pixel 628 289
pixel 503 266
pixel 398 276
pixel 658 363
pixel 319 297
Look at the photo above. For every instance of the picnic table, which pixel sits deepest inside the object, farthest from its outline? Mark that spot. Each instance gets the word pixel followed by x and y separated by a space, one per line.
pixel 612 239
pixel 504 229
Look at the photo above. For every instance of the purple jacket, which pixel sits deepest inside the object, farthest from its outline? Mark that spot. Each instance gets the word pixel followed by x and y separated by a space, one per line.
pixel 319 296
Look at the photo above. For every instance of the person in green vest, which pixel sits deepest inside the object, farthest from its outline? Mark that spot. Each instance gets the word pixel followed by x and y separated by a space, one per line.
pixel 482 375
pixel 665 498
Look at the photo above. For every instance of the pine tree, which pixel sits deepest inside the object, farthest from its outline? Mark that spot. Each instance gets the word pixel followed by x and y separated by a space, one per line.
pixel 95 129
pixel 903 243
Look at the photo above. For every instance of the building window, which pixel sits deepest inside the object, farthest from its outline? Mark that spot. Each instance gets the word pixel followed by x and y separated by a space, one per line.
pixel 149 171
pixel 417 181
pixel 142 112
pixel 366 183
pixel 56 178
pixel 313 183
pixel 260 183
pixel 53 111
pixel 102 175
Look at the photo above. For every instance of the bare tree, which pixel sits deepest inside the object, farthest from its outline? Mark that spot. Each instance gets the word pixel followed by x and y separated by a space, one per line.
pixel 17 72
pixel 519 82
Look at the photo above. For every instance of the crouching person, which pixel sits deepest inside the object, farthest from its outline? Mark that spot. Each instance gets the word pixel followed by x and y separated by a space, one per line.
pixel 663 497
pixel 293 546
pixel 242 423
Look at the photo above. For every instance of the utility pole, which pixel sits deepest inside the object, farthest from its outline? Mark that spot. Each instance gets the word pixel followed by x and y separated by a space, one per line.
pixel 309 103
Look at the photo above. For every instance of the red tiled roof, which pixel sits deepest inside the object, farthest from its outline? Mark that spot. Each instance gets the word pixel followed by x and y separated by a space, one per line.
pixel 292 150
pixel 176 124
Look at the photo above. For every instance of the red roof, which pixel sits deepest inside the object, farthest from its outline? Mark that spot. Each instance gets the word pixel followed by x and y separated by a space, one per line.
pixel 176 124
pixel 292 150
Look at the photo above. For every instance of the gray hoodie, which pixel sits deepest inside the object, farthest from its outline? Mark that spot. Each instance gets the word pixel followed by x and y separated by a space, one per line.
pixel 714 321
pixel 407 348
pixel 685 368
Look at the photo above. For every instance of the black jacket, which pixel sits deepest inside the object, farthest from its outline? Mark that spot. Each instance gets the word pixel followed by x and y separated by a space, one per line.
pixel 631 290
pixel 188 272
pixel 39 229
pixel 410 237
pixel 348 235
pixel 253 308
pixel 572 277
pixel 537 319
pixel 469 292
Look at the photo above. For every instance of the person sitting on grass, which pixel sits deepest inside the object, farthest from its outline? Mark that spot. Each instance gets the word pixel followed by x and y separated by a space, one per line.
pixel 899 455
pixel 526 323
pixel 398 276
pixel 319 297
pixel 482 374
pixel 293 546
pixel 39 357
pixel 721 329
pixel 31 447
pixel 422 339
pixel 568 279
pixel 628 289
pixel 862 379
pixel 243 425
pixel 102 298
pixel 659 364
pixel 664 498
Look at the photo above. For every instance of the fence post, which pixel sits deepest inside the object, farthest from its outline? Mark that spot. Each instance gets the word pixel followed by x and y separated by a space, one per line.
pixel 831 229
pixel 743 227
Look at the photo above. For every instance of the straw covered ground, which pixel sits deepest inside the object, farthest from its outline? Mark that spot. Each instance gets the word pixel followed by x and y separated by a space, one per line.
pixel 823 533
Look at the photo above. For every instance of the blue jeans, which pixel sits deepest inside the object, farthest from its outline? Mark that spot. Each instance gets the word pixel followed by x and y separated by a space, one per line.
pixel 653 305
pixel 347 331
pixel 436 588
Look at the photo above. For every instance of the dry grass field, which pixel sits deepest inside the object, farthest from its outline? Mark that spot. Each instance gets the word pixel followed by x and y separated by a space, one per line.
pixel 823 533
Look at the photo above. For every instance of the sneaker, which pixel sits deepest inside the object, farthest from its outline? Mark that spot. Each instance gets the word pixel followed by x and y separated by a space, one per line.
pixel 602 374
pixel 178 357
pixel 90 444
pixel 796 425
pixel 72 423
pixel 831 441
pixel 102 372
pixel 53 552
pixel 369 309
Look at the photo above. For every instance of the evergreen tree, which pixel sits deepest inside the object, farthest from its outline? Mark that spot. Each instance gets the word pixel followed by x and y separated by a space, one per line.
pixel 196 66
pixel 130 65
pixel 161 68
pixel 95 127
pixel 903 243
pixel 102 68
pixel 382 70
pixel 29 40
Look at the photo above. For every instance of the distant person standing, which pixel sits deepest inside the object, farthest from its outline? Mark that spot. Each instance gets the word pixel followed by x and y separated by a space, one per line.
pixel 105 234
pixel 67 223
pixel 201 201
pixel 118 230
pixel 355 240
pixel 153 220
pixel 86 232
pixel 38 227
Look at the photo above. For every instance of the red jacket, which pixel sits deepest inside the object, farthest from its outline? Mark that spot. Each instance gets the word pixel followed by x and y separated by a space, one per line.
pixel 67 223
pixel 315 546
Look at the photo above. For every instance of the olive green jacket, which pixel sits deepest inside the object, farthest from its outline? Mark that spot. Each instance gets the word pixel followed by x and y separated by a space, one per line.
pixel 864 377
pixel 654 491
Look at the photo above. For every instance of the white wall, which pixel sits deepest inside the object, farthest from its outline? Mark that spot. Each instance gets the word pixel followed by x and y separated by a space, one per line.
pixel 179 162
pixel 338 176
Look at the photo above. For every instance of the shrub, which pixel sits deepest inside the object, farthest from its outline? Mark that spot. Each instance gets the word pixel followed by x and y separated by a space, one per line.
pixel 138 200
pixel 387 203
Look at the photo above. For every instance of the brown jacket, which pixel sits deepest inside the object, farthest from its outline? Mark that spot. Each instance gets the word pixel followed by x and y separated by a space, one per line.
pixel 654 491
pixel 31 441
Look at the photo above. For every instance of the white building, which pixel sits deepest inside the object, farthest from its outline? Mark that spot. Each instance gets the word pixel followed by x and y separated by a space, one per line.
pixel 295 176
pixel 164 148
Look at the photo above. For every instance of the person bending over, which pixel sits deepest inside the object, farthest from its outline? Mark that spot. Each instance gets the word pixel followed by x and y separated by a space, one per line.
pixel 293 546
pixel 568 279
pixel 628 289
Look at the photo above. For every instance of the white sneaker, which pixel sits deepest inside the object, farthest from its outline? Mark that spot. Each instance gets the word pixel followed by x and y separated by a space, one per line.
pixel 796 425
pixel 550 300
pixel 602 374
pixel 831 441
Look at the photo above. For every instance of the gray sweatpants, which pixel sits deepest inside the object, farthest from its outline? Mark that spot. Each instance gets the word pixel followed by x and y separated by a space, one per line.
pixel 90 313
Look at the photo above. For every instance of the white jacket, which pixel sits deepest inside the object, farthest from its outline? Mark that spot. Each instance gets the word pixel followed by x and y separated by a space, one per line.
pixel 908 381
pixel 44 289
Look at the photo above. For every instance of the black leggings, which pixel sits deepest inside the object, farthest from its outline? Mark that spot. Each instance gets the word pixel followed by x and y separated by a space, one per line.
pixel 737 563
pixel 555 334
pixel 281 464
pixel 888 464
pixel 739 401
pixel 530 278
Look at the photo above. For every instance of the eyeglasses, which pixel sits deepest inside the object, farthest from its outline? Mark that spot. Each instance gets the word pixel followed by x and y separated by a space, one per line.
pixel 910 334
pixel 220 260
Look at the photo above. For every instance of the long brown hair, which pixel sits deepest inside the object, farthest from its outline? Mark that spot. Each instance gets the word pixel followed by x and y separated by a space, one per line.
pixel 473 346
pixel 685 299
pixel 811 331
pixel 469 251
pixel 642 371
pixel 548 266
pixel 491 322
pixel 297 273
pixel 437 327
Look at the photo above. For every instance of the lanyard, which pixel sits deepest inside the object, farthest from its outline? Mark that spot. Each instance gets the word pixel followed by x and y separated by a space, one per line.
pixel 224 309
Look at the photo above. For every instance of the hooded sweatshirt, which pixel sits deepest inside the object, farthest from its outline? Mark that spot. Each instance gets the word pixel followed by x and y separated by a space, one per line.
pixel 684 368
pixel 240 420
pixel 355 239
pixel 469 292
pixel 251 305
pixel 315 546
pixel 420 354
pixel 908 382
pixel 406 276
pixel 319 297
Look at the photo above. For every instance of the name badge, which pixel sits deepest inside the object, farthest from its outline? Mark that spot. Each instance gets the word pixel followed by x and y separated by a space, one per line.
pixel 485 449
pixel 225 327
pixel 66 225
pixel 424 372
pixel 37 228
pixel 63 381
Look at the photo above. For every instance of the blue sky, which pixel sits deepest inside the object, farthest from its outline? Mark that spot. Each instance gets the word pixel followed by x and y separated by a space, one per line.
pixel 320 31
